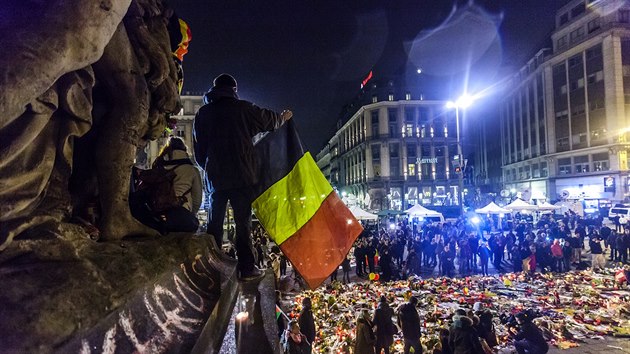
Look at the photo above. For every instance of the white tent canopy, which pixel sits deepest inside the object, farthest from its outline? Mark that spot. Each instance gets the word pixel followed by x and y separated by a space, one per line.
pixel 547 206
pixel 361 214
pixel 520 204
pixel 492 208
pixel 420 211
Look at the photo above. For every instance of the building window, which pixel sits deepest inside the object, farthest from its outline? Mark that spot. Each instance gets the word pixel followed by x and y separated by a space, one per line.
pixel 392 131
pixel 579 138
pixel 576 35
pixel 559 69
pixel 595 77
pixel 581 164
pixel 562 144
pixel 407 96
pixel 577 84
pixel 562 114
pixel 536 170
pixel 374 116
pixel 390 97
pixel 410 115
pixel 563 89
pixel 593 25
pixel 578 10
pixel 564 18
pixel 376 152
pixel 544 171
pixel 624 16
pixel 600 162
pixel 575 60
pixel 577 109
pixel 561 43
pixel 393 150
pixel 598 134
pixel 394 167
pixel 564 166
pixel 374 99
pixel 392 116
pixel 594 52
pixel 596 104
pixel 411 150
pixel 377 169
pixel 411 169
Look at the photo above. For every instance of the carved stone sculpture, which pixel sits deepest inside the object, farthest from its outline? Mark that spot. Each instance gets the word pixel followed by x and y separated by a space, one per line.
pixel 70 67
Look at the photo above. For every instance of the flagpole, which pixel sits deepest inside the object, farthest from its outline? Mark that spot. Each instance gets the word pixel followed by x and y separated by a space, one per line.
pixel 283 314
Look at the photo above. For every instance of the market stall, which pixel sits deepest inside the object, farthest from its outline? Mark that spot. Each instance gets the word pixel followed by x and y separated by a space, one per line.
pixel 361 214
pixel 421 212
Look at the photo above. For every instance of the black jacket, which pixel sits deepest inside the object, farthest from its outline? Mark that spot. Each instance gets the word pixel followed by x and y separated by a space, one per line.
pixel 223 132
pixel 409 321
pixel 528 331
pixel 307 324
pixel 385 329
pixel 463 338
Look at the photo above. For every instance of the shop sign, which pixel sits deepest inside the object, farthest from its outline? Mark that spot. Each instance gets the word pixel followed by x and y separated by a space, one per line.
pixel 609 184
pixel 426 160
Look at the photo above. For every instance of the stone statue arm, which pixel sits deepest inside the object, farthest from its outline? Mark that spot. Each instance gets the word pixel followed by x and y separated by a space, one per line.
pixel 28 68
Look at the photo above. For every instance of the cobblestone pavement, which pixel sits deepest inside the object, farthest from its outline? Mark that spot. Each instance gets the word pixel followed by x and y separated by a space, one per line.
pixel 609 345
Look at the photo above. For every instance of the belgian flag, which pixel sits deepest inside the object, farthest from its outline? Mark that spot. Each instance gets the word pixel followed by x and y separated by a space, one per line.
pixel 299 209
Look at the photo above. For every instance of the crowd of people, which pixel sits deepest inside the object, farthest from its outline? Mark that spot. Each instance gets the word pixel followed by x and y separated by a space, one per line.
pixel 469 331
pixel 553 244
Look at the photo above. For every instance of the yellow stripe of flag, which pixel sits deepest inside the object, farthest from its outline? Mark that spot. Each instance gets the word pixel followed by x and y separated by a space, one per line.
pixel 290 203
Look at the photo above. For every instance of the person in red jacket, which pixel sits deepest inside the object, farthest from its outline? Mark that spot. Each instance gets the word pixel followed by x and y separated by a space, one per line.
pixel 556 253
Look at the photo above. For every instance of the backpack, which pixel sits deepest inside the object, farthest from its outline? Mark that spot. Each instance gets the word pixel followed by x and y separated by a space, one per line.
pixel 158 185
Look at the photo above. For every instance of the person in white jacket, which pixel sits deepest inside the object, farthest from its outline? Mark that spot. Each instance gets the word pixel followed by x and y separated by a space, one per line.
pixel 169 202
pixel 187 185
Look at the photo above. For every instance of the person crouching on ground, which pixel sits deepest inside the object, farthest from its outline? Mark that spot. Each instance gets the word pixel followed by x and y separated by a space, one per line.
pixel 181 215
pixel 529 338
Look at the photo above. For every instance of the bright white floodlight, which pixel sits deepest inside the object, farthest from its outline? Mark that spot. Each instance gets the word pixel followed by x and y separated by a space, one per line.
pixel 465 101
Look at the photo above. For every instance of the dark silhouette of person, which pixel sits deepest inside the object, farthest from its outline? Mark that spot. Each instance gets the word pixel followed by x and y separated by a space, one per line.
pixel 223 132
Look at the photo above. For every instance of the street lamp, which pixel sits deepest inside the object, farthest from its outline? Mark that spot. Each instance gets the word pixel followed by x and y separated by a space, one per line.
pixel 462 102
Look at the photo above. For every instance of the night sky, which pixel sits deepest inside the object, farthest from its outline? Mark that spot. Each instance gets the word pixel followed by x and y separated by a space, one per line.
pixel 310 56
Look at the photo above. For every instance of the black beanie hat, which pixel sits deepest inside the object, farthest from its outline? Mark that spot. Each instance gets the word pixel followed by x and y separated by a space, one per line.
pixel 224 80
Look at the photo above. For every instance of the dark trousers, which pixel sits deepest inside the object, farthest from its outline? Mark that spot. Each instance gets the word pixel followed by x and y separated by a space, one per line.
pixel 498 258
pixel 524 346
pixel 333 275
pixel 177 219
pixel 484 266
pixel 180 219
pixel 241 203
pixel 415 344
pixel 370 261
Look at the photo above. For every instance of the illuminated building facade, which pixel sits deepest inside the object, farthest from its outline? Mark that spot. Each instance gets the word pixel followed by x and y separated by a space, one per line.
pixel 393 149
pixel 184 129
pixel 566 115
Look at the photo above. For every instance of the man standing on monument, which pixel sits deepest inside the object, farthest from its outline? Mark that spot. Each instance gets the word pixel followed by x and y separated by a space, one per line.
pixel 223 132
